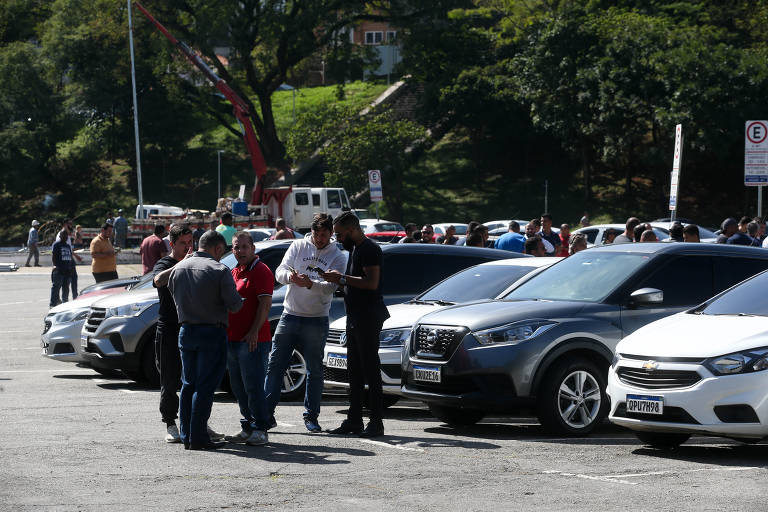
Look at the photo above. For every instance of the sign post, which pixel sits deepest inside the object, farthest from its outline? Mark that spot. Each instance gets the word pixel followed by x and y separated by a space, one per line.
pixel 756 158
pixel 374 185
pixel 675 181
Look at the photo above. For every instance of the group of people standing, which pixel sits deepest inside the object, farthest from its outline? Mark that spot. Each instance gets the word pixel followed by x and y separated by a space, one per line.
pixel 212 319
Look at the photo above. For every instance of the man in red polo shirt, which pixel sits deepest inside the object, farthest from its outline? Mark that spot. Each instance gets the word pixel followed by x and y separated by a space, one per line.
pixel 250 341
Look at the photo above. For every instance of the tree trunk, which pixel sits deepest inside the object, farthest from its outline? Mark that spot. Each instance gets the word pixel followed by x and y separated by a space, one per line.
pixel 273 148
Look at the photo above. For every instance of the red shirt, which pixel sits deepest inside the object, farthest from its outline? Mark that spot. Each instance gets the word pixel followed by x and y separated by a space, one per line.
pixel 251 282
pixel 562 249
pixel 152 249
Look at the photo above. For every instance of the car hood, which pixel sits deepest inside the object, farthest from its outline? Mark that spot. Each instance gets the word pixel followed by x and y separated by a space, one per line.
pixel 400 315
pixel 129 297
pixel 689 335
pixel 79 303
pixel 481 315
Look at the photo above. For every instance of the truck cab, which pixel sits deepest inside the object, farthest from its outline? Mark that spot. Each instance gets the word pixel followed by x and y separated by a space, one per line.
pixel 303 203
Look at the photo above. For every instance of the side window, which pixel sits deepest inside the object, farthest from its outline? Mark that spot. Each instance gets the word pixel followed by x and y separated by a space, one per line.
pixel 315 199
pixel 591 235
pixel 272 258
pixel 444 266
pixel 685 281
pixel 729 271
pixel 404 273
pixel 302 198
pixel 334 199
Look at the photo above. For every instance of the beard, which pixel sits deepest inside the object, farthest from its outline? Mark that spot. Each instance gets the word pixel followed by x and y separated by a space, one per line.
pixel 348 244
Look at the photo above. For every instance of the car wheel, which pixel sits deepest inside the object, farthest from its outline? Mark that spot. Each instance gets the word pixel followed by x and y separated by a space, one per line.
pixel 572 398
pixel 662 440
pixel 295 378
pixel 456 416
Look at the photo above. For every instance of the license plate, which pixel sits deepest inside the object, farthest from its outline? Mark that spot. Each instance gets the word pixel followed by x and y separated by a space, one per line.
pixel 645 404
pixel 84 341
pixel 426 373
pixel 337 361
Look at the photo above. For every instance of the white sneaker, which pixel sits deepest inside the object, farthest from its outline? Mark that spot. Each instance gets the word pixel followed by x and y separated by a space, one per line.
pixel 258 438
pixel 240 437
pixel 215 436
pixel 172 435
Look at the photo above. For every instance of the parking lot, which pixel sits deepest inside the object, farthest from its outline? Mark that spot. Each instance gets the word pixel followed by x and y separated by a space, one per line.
pixel 74 440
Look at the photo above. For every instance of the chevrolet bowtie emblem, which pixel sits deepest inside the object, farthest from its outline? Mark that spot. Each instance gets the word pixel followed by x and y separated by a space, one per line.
pixel 650 365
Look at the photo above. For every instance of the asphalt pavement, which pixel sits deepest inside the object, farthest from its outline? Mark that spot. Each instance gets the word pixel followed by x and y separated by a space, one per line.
pixel 71 439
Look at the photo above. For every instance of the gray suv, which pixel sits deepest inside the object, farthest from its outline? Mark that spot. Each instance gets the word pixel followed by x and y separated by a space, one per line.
pixel 547 345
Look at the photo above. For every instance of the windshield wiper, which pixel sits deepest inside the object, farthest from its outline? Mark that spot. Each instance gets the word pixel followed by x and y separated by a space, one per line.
pixel 444 303
pixel 417 301
pixel 439 302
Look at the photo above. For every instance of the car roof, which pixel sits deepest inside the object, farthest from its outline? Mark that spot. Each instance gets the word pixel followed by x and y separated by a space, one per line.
pixel 524 262
pixel 683 248
pixel 459 250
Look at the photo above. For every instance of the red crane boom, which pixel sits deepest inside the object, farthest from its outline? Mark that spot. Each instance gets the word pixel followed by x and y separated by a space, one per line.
pixel 239 107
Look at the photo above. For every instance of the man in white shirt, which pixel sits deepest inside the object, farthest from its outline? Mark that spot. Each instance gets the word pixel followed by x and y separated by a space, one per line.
pixel 304 322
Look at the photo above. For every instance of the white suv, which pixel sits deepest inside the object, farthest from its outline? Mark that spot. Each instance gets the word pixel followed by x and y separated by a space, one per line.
pixel 697 372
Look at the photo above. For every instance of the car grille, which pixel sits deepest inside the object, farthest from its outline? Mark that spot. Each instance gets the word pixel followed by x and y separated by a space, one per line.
pixel 95 317
pixel 436 342
pixel 657 379
pixel 335 337
pixel 335 375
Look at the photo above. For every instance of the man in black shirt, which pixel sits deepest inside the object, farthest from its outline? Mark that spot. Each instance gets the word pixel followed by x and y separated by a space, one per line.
pixel 366 313
pixel 167 356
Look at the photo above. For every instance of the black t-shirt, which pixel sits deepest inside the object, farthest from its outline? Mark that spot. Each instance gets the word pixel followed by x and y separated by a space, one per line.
pixel 168 315
pixel 361 303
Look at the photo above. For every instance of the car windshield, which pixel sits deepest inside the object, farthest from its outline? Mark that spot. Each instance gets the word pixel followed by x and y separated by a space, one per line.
pixel 389 226
pixel 461 230
pixel 143 283
pixel 475 283
pixel 747 299
pixel 588 276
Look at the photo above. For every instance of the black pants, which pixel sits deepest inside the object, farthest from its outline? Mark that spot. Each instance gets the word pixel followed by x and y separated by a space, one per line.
pixel 105 276
pixel 168 361
pixel 364 367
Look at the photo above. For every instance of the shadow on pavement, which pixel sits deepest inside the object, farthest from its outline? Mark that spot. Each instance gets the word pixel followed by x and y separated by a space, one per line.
pixel 423 442
pixel 297 454
pixel 605 434
pixel 734 455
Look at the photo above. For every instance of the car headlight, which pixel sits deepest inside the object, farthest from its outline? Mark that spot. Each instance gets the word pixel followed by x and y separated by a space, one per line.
pixel 69 316
pixel 513 333
pixel 394 337
pixel 747 361
pixel 134 309
pixel 616 359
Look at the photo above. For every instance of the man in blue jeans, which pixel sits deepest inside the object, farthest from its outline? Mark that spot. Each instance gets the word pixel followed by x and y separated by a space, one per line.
pixel 304 322
pixel 250 341
pixel 204 292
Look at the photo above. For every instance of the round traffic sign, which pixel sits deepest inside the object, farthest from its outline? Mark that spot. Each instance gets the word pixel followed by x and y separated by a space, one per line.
pixel 757 132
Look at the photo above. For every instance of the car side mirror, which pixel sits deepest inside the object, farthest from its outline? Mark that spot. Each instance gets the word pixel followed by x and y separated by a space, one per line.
pixel 646 296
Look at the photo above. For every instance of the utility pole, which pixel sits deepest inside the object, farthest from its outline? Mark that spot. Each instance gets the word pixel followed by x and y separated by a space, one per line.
pixel 135 114
pixel 219 152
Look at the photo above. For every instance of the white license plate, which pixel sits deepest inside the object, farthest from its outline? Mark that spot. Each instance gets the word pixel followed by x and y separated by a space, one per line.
pixel 645 404
pixel 83 341
pixel 337 361
pixel 426 373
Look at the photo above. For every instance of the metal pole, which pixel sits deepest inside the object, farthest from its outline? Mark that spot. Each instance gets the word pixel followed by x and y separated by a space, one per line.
pixel 760 201
pixel 377 210
pixel 218 153
pixel 135 113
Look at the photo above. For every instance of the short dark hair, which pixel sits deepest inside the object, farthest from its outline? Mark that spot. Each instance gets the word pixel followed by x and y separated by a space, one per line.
pixel 242 234
pixel 752 228
pixel 322 221
pixel 177 230
pixel 411 227
pixel 347 220
pixel 638 231
pixel 514 226
pixel 531 244
pixel 211 239
pixel 472 226
pixel 691 229
pixel 106 225
pixel 676 231
pixel 226 216
pixel 632 222
pixel 474 239
pixel 744 220
pixel 160 229
pixel 547 216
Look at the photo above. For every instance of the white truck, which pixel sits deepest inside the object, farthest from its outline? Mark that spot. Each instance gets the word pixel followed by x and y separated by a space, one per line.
pixel 297 205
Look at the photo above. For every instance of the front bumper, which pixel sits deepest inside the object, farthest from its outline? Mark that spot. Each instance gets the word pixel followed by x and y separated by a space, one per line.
pixel 692 409
pixel 115 344
pixel 61 342
pixel 338 378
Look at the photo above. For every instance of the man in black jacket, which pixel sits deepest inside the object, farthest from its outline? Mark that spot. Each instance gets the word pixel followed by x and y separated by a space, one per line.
pixel 62 269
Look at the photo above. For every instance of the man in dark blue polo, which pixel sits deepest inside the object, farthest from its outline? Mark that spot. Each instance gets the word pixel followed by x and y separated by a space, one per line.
pixel 204 293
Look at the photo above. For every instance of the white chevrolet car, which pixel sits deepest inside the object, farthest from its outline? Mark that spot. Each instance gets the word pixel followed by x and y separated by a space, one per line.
pixel 485 281
pixel 697 372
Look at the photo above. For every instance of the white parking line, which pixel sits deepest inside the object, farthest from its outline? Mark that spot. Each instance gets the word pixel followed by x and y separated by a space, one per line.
pixel 46 371
pixel 620 479
pixel 282 424
pixel 388 445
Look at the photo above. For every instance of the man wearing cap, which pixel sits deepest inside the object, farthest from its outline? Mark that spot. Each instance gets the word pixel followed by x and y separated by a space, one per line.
pixel 120 226
pixel 727 229
pixel 32 240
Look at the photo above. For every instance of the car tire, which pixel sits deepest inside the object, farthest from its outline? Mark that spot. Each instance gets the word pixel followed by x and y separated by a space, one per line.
pixel 572 398
pixel 456 416
pixel 662 440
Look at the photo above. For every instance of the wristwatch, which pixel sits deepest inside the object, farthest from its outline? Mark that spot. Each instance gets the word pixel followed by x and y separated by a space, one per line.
pixel 343 281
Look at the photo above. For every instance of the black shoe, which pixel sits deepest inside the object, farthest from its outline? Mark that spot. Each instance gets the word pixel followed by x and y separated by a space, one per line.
pixel 312 425
pixel 272 423
pixel 347 427
pixel 374 429
pixel 210 445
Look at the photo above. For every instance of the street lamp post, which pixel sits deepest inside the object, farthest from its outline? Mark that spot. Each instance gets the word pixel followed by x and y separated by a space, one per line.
pixel 219 152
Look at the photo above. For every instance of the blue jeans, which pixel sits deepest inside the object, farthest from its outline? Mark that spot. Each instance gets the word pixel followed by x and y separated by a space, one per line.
pixel 203 361
pixel 247 373
pixel 307 335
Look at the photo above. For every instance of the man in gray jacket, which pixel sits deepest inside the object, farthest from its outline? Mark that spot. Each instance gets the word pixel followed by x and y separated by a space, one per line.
pixel 204 293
